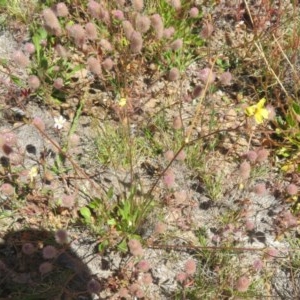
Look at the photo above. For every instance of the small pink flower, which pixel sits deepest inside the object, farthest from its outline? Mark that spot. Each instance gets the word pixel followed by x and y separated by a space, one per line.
pixel 58 83
pixel 177 44
pixel 94 286
pixel 61 9
pixel 135 247
pixel 28 249
pixel 45 268
pixel 9 138
pixel 168 32
pixel 128 29
pixel 262 155
pixel 207 30
pixel 142 23
pixel 197 92
pixel 118 14
pixel 226 78
pixel 91 31
pixel 147 279
pixel 176 4
pixel 260 189
pixel 94 65
pixel 135 290
pixel 257 265
pixel 107 64
pixel 181 155
pixel 94 8
pixel 49 252
pixel 158 25
pixel 7 189
pixel 136 42
pixel 181 277
pixel 245 170
pixel 271 253
pixel 106 45
pixel 190 267
pixel 243 284
pixel 78 33
pixel 61 236
pixel 292 189
pixel 194 12
pixel 174 74
pixel 252 156
pixel 138 5
pixel 61 51
pixel 206 75
pixel 29 48
pixel 68 201
pixel 21 59
pixel 39 123
pixel 143 266
pixel 169 155
pixel 33 82
pixel 169 179
pixel 51 21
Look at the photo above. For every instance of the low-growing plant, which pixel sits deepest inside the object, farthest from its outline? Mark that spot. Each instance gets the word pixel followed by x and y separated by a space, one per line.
pixel 113 43
pixel 117 220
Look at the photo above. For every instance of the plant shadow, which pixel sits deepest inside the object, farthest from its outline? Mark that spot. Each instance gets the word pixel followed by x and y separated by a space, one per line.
pixel 26 274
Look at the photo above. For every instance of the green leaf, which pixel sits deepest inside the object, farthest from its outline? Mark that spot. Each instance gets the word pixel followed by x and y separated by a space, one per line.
pixel 110 193
pixel 111 222
pixel 16 80
pixel 296 108
pixel 44 63
pixel 93 205
pixel 290 120
pixel 42 32
pixel 74 70
pixel 283 152
pixel 86 213
pixel 123 246
pixel 102 246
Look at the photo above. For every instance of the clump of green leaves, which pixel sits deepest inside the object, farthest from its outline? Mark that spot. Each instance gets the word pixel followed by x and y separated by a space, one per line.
pixel 117 218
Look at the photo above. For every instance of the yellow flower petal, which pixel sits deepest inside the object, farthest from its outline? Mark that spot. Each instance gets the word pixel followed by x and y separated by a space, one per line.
pixel 261 103
pixel 122 102
pixel 250 110
pixel 258 118
pixel 265 113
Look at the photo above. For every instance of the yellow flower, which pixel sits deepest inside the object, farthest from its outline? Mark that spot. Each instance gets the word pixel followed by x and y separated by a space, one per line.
pixel 258 111
pixel 122 102
pixel 33 173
